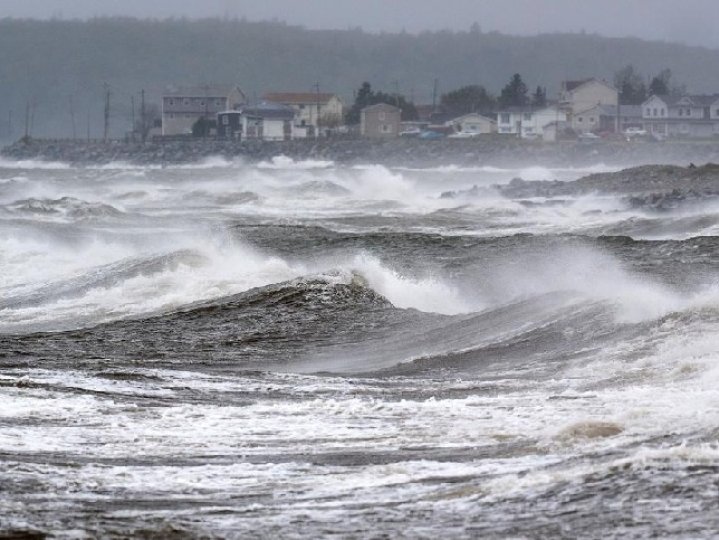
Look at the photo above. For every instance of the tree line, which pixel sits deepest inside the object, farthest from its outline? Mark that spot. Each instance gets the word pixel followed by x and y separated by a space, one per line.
pixel 468 99
pixel 476 98
pixel 634 91
pixel 60 66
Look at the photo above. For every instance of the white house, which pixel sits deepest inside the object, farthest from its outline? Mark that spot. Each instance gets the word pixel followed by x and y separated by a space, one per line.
pixel 266 121
pixel 182 107
pixel 269 122
pixel 582 95
pixel 473 123
pixel 682 116
pixel 528 122
pixel 600 118
pixel 314 109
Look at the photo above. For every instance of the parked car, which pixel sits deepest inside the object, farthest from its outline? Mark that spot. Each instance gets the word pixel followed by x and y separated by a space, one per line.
pixel 589 137
pixel 431 135
pixel 463 135
pixel 635 132
pixel 410 133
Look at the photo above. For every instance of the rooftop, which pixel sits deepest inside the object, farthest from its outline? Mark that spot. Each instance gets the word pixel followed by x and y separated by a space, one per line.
pixel 382 107
pixel 298 98
pixel 269 110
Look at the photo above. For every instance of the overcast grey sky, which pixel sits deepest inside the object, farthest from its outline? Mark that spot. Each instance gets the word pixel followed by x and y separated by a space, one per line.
pixel 687 21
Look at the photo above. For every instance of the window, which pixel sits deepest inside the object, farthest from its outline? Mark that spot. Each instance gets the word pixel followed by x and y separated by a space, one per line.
pixel 302 107
pixel 681 112
pixel 655 112
pixel 386 128
pixel 527 116
pixel 649 112
pixel 504 118
pixel 689 112
pixel 580 119
pixel 663 111
pixel 226 119
pixel 170 102
pixel 202 103
pixel 186 102
pixel 592 119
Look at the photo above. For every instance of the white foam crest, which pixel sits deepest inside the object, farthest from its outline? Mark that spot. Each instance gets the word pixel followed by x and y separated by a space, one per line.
pixel 283 162
pixel 533 174
pixel 32 164
pixel 429 294
pixel 378 183
pixel 591 272
pixel 14 180
pixel 226 269
pixel 29 261
pixel 210 162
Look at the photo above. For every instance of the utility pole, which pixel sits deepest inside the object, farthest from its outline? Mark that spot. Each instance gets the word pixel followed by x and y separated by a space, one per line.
pixel 27 119
pixel 107 112
pixel 32 115
pixel 317 87
pixel 434 95
pixel 132 129
pixel 88 125
pixel 9 124
pixel 143 120
pixel 206 130
pixel 72 118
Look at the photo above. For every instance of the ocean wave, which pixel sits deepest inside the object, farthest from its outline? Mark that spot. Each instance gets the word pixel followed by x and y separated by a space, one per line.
pixel 65 207
pixel 287 163
pixel 32 164
pixel 100 277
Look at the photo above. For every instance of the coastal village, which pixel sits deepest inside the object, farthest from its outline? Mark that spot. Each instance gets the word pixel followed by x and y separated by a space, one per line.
pixel 586 110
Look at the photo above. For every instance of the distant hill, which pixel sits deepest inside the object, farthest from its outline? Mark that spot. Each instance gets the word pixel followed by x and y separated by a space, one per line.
pixel 53 62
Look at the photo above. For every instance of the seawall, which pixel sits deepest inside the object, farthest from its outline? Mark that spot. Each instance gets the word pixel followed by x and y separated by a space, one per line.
pixel 492 151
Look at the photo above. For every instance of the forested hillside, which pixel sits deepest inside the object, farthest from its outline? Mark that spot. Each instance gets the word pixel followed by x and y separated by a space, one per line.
pixel 59 67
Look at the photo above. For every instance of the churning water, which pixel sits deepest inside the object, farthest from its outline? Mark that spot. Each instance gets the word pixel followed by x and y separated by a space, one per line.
pixel 299 350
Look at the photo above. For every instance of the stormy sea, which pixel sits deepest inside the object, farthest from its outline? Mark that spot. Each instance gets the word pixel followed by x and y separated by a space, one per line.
pixel 302 349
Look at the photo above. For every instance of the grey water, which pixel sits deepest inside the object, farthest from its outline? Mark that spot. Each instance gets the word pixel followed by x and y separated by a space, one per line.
pixel 303 349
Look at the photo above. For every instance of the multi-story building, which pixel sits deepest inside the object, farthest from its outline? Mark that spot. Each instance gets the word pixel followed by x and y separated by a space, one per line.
pixel 529 122
pixel 579 96
pixel 380 121
pixel 682 116
pixel 183 107
pixel 314 109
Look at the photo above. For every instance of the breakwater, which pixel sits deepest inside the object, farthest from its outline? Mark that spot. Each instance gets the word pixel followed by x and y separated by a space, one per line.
pixel 496 151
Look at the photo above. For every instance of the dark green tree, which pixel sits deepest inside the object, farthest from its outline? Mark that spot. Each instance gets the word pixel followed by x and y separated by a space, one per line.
pixel 468 99
pixel 631 87
pixel 514 94
pixel 660 85
pixel 202 127
pixel 365 97
pixel 539 98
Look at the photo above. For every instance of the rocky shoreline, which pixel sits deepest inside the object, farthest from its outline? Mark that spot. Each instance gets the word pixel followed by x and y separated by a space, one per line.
pixel 656 187
pixel 491 151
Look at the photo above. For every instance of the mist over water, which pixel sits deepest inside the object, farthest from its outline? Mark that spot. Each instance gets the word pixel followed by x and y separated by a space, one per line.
pixel 302 348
